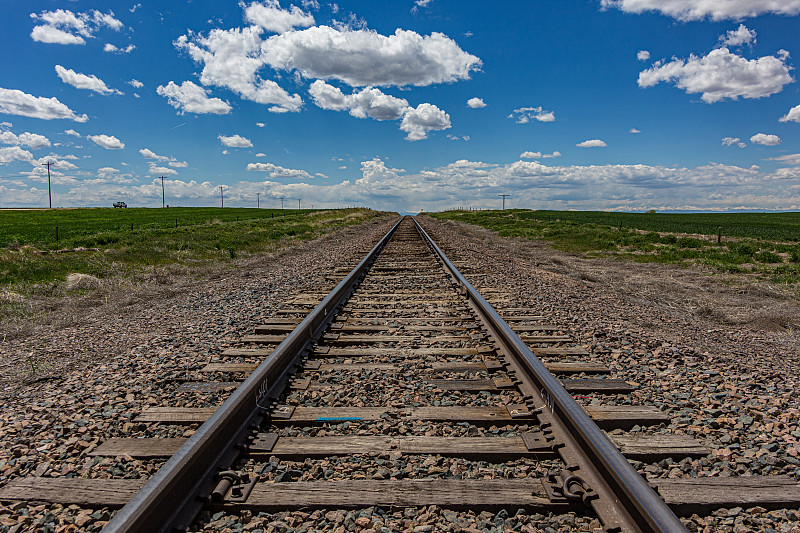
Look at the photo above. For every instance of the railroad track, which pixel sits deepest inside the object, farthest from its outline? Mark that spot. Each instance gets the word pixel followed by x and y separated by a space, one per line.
pixel 402 369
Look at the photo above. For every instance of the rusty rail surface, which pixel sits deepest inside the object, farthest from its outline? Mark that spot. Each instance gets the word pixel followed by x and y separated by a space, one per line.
pixel 596 473
pixel 174 495
pixel 599 473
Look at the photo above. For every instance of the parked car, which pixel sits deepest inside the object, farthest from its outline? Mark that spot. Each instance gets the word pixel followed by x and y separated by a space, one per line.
pixel 120 204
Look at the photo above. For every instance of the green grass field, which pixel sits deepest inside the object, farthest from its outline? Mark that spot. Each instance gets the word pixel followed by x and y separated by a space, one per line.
pixel 37 227
pixel 761 244
pixel 30 255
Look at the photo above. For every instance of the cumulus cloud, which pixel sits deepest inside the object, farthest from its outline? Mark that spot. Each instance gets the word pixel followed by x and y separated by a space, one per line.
pixel 373 103
pixel 275 171
pixel 191 98
pixel 686 10
pixel 741 35
pixel 793 115
pixel 62 26
pixel 368 102
pixel 592 143
pixel 643 55
pixel 417 122
pixel 155 170
pixel 476 103
pixel 730 141
pixel 83 81
pixel 634 130
pixel 231 59
pixel 14 153
pixel 109 142
pixel 523 115
pixel 721 75
pixel 72 132
pixel 366 58
pixel 271 17
pixel 115 50
pixel 149 154
pixel 178 164
pixel 136 84
pixel 31 140
pixel 235 141
pixel 790 159
pixel 539 155
pixel 14 102
pixel 765 139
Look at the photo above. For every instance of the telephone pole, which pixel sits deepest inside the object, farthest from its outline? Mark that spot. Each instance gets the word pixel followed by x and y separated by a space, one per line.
pixel 258 200
pixel 282 197
pixel 163 203
pixel 504 199
pixel 298 204
pixel 221 197
pixel 49 194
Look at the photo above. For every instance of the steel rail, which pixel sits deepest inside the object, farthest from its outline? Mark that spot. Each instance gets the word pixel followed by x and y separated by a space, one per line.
pixel 174 495
pixel 626 502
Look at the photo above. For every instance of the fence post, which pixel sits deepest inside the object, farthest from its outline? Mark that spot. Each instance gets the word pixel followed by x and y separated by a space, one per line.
pixel 131 226
pixel 719 235
pixel 176 222
pixel 56 233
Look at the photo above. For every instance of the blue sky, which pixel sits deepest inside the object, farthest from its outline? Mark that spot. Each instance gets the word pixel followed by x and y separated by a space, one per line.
pixel 404 105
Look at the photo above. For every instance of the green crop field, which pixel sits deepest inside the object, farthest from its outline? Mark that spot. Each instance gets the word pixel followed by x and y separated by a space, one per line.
pixel 100 242
pixel 766 245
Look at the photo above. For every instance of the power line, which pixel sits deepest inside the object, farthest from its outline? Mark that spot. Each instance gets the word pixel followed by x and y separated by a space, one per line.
pixel 504 199
pixel 49 194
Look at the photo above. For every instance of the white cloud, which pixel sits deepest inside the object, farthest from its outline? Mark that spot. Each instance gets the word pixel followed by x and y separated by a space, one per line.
pixel 643 55
pixel 260 124
pixel 539 155
pixel 14 153
pixel 368 102
pixel 310 4
pixel 790 159
pixel 155 170
pixel 135 83
pixel 65 27
pixel 476 103
pixel 730 141
pixel 592 143
pixel 83 81
pixel 191 98
pixel 109 142
pixel 367 58
pixel 793 115
pixel 686 10
pixel 231 59
pixel 178 164
pixel 149 154
pixel 523 115
pixel 739 36
pixel 261 154
pixel 721 75
pixel 14 102
pixel 235 141
pixel 113 49
pixel 32 140
pixel 271 17
pixel 417 122
pixel 72 132
pixel 276 171
pixel 107 170
pixel 634 130
pixel 765 139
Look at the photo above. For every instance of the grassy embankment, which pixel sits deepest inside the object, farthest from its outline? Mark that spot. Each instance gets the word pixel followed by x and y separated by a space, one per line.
pixel 765 245
pixel 30 256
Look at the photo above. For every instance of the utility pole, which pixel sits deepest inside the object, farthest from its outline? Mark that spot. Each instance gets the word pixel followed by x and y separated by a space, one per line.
pixel 49 194
pixel 221 197
pixel 298 204
pixel 504 199
pixel 282 197
pixel 163 203
pixel 258 200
